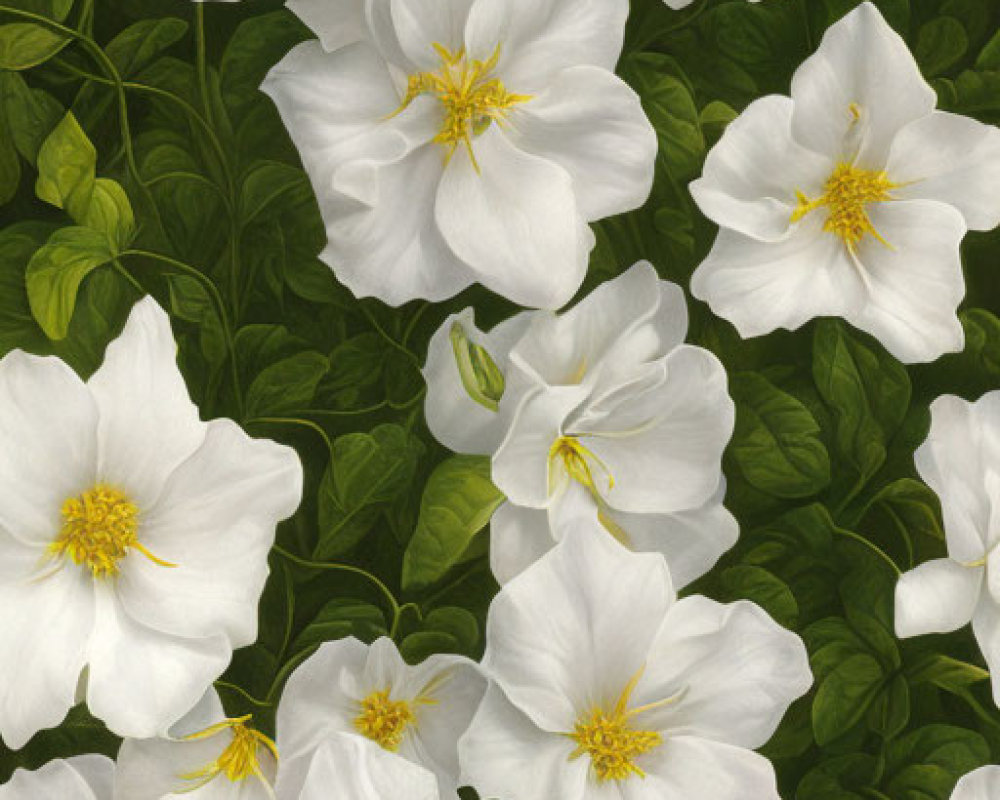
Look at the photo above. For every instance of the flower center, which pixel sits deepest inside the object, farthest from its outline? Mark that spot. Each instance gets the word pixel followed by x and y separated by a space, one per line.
pixel 241 758
pixel 471 98
pixel 846 196
pixel 576 460
pixel 99 526
pixel 384 720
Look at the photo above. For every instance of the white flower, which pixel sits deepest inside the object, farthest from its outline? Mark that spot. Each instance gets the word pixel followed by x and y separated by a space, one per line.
pixel 961 462
pixel 981 784
pixel 349 687
pixel 87 777
pixel 456 141
pixel 207 756
pixel 607 686
pixel 849 199
pixel 350 767
pixel 133 536
pixel 601 410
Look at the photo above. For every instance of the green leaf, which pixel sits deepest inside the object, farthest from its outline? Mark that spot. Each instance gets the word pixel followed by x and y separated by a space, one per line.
pixel 66 168
pixel 946 673
pixel 55 272
pixel 367 471
pixel 940 44
pixel 762 587
pixel 927 762
pixel 31 114
pixel 982 339
pixel 448 629
pixel 10 166
pixel 110 212
pixel 190 301
pixel 287 385
pixel 137 45
pixel 458 501
pixel 776 440
pixel 420 645
pixel 915 506
pixel 340 618
pixel 258 42
pixel 890 712
pixel 265 183
pixel 24 45
pixel 17 326
pixel 845 696
pixel 841 778
pixel 989 56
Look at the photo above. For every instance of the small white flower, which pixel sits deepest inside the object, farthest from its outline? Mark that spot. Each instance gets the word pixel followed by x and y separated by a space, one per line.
pixel 87 777
pixel 459 141
pixel 207 756
pixel 849 199
pixel 607 686
pixel 602 410
pixel 349 767
pixel 133 536
pixel 349 687
pixel 961 462
pixel 981 784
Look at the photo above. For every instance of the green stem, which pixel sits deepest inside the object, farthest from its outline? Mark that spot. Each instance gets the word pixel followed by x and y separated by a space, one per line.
pixel 305 423
pixel 381 332
pixel 871 546
pixel 412 324
pixel 904 534
pixel 354 412
pixel 199 27
pixel 242 692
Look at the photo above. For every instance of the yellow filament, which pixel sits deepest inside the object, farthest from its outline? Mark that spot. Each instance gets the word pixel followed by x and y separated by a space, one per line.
pixel 577 459
pixel 241 758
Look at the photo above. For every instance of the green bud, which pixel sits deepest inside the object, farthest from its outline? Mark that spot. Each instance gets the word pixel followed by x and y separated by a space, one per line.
pixel 480 374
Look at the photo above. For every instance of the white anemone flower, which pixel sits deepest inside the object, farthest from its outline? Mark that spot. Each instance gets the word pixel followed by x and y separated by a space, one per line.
pixel 459 141
pixel 602 406
pixel 133 536
pixel 849 199
pixel 87 777
pixel 605 686
pixel 348 687
pixel 980 784
pixel 207 756
pixel 350 767
pixel 960 461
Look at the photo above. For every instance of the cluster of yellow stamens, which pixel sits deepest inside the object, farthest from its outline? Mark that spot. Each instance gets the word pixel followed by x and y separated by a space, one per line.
pixel 99 527
pixel 384 720
pixel 471 98
pixel 241 758
pixel 576 459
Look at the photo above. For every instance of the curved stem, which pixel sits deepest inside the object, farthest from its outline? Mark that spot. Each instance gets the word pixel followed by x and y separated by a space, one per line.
pixel 871 546
pixel 242 692
pixel 305 423
pixel 199 27
pixel 381 332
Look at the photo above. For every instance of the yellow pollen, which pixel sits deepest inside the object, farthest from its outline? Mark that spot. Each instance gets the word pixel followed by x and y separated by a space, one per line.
pixel 384 720
pixel 241 758
pixel 846 195
pixel 471 98
pixel 576 458
pixel 99 527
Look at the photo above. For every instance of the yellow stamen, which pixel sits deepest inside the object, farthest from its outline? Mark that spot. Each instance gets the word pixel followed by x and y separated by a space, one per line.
pixel 472 99
pixel 99 527
pixel 384 720
pixel 576 459
pixel 241 758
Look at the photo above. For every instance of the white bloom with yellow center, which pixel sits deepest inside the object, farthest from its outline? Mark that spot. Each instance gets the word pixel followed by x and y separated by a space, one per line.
pixel 603 408
pixel 87 777
pixel 960 461
pixel 207 756
pixel 849 199
pixel 981 784
pixel 607 686
pixel 133 536
pixel 459 141
pixel 348 687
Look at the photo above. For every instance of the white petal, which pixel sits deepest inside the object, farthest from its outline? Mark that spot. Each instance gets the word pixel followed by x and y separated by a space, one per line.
pixel 84 777
pixel 141 681
pixel 48 439
pixel 518 538
pixel 46 623
pixel 589 122
pixel 687 767
pixel 337 23
pixel 97 771
pixel 150 769
pixel 952 159
pixel 864 63
pixel 148 424
pixel 456 420
pixel 916 284
pixel 521 464
pixel 751 176
pixel 570 632
pixel 216 522
pixel 514 221
pixel 980 784
pixel 421 24
pixel 733 669
pixel 762 286
pixel 538 38
pixel 663 448
pixel 986 627
pixel 939 596
pixel 504 754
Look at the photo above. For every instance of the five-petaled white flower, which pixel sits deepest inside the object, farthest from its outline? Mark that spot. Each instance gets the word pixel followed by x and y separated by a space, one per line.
pixel 961 462
pixel 133 536
pixel 349 687
pixel 849 199
pixel 607 686
pixel 459 141
pixel 980 784
pixel 602 406
pixel 350 767
pixel 87 777
pixel 207 756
